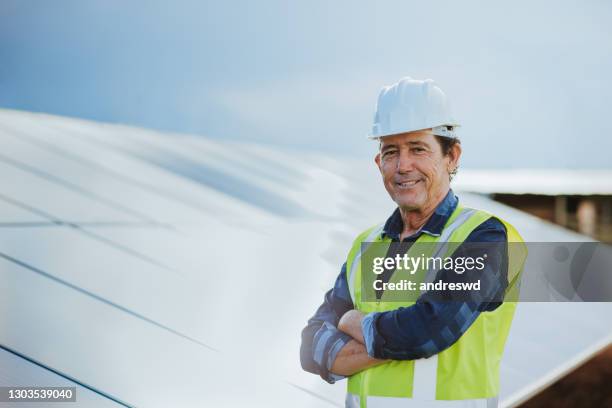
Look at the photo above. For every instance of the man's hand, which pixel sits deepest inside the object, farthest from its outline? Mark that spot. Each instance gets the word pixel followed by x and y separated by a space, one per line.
pixel 353 358
pixel 350 323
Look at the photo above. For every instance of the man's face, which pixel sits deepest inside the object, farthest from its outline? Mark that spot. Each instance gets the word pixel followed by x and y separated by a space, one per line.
pixel 414 171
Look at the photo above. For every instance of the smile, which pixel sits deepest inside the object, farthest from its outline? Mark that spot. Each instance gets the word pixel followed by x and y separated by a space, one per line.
pixel 407 184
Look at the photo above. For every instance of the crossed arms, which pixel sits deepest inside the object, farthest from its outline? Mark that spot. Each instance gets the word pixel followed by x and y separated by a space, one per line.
pixel 340 341
pixel 353 357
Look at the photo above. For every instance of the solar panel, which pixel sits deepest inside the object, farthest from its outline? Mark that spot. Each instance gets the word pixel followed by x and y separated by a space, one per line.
pixel 164 270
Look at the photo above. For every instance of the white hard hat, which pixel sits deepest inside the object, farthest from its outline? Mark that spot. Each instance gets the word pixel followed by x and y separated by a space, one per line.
pixel 410 105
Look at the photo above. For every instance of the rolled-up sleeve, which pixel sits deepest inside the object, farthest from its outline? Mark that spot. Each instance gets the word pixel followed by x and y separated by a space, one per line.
pixel 432 325
pixel 321 339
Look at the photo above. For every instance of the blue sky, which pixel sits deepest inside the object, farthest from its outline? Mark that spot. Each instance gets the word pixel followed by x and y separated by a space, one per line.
pixel 530 81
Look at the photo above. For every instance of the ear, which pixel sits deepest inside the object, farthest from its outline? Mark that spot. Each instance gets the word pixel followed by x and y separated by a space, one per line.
pixel 377 161
pixel 454 155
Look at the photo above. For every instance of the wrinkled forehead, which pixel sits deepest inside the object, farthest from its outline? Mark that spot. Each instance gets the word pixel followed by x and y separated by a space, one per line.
pixel 409 138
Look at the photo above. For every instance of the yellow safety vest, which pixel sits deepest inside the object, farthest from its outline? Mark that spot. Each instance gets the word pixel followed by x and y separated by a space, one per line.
pixel 464 375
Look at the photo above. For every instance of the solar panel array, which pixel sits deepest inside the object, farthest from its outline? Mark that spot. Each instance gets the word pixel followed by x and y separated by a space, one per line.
pixel 151 269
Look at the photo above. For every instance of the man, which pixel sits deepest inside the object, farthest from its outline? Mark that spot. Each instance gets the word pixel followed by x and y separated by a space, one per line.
pixel 442 349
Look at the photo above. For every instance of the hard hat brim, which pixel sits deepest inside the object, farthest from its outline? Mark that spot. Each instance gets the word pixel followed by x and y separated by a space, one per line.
pixel 440 130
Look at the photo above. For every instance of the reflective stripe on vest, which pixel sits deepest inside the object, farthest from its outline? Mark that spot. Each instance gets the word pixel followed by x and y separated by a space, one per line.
pixel 464 375
pixel 374 234
pixel 353 401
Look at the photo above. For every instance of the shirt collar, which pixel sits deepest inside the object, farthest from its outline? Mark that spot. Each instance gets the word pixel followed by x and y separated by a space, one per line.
pixel 434 225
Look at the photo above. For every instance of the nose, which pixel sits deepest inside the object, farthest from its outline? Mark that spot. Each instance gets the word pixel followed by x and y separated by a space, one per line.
pixel 405 162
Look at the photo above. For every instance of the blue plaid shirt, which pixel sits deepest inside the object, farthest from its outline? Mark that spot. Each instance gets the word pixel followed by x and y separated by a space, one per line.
pixel 419 331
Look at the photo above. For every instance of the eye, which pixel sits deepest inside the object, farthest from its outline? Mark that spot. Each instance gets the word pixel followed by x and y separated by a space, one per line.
pixel 418 149
pixel 389 153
